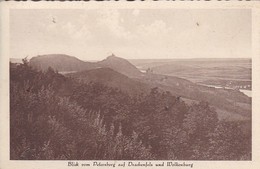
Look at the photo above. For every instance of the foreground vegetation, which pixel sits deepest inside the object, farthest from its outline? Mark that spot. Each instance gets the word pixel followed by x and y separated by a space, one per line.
pixel 56 117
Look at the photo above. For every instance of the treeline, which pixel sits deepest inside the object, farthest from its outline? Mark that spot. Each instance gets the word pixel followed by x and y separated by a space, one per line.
pixel 56 117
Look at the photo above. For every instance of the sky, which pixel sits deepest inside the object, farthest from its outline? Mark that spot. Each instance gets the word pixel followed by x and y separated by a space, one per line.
pixel 131 33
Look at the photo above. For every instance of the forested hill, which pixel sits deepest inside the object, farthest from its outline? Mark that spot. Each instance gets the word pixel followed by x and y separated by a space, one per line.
pixel 112 78
pixel 120 73
pixel 120 65
pixel 60 63
pixel 54 117
pixel 65 63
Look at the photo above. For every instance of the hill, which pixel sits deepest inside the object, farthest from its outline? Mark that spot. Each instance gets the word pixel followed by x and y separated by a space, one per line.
pixel 230 104
pixel 120 65
pixel 119 73
pixel 60 63
pixel 99 122
pixel 65 63
pixel 111 78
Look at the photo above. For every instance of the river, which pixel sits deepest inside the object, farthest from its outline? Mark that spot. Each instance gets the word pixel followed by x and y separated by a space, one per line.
pixel 246 92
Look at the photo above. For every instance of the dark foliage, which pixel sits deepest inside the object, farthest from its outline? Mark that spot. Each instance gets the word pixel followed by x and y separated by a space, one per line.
pixel 55 117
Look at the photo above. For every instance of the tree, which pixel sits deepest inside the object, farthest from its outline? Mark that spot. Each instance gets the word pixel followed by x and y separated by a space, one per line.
pixel 200 122
pixel 230 143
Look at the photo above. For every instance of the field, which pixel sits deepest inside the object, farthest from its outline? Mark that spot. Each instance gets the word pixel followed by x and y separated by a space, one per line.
pixel 229 73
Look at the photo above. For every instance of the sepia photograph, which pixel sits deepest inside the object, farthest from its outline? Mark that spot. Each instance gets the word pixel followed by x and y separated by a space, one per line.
pixel 130 84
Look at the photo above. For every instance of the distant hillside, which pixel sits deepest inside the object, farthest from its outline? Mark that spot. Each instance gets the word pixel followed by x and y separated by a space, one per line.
pixel 119 73
pixel 109 77
pixel 60 62
pixel 200 70
pixel 230 104
pixel 120 65
pixel 65 63
pixel 16 60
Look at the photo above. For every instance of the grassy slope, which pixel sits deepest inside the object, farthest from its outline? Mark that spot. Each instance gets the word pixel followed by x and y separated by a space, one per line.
pixel 230 104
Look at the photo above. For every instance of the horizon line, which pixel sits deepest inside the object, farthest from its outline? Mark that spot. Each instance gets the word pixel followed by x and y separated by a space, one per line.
pixel 182 58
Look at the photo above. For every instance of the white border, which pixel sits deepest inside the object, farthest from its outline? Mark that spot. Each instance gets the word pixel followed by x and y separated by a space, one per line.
pixel 5 163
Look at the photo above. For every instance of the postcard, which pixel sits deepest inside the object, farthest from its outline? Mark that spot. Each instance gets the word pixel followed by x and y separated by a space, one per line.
pixel 130 84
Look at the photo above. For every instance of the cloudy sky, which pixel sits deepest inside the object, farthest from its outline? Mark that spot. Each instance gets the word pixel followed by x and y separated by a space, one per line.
pixel 131 33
